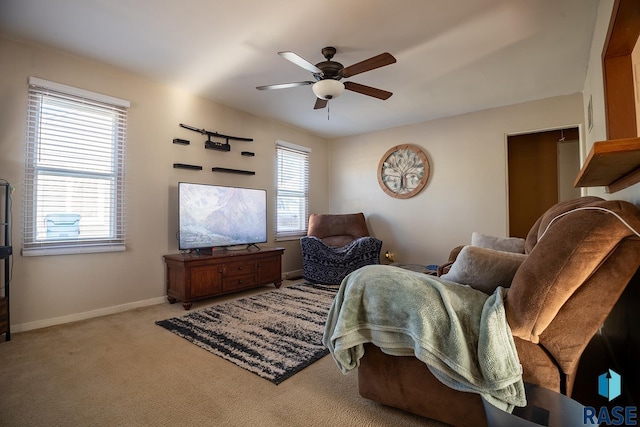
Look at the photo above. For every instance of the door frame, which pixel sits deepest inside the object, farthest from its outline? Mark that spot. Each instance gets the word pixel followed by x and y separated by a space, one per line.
pixel 582 154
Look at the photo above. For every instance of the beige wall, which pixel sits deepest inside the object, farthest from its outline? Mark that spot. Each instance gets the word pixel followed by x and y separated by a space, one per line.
pixel 51 289
pixel 467 190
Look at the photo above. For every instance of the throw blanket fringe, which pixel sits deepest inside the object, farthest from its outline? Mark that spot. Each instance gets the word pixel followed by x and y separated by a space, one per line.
pixel 460 333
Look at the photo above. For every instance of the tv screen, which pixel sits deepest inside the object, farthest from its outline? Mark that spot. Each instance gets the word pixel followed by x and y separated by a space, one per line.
pixel 213 216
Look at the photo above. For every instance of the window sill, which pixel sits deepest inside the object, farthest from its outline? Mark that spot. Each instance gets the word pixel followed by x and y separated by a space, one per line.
pixel 288 238
pixel 72 250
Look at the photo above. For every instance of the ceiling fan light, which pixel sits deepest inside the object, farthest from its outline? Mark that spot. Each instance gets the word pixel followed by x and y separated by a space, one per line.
pixel 328 89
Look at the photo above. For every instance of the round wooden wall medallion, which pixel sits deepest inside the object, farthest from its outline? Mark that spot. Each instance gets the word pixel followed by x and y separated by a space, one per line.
pixel 403 171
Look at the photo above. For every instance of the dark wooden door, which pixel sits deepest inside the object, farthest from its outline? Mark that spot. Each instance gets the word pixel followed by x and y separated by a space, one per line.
pixel 533 176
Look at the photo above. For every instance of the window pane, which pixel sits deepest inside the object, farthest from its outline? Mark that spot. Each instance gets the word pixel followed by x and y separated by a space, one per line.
pixel 291 214
pixel 74 179
pixel 75 137
pixel 74 207
pixel 292 191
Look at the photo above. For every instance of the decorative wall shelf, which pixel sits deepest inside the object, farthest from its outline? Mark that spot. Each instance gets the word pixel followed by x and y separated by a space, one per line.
pixel 238 171
pixel 613 163
pixel 186 166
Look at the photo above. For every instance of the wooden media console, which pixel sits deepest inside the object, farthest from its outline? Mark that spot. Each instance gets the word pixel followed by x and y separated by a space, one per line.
pixel 193 277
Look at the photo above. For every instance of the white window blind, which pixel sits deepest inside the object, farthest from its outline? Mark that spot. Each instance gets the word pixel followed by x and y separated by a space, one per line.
pixel 292 190
pixel 74 175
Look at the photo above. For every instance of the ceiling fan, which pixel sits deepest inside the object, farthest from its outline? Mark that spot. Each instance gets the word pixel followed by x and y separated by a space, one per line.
pixel 328 73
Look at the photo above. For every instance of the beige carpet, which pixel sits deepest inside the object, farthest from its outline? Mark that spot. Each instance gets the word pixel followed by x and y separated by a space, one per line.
pixel 124 370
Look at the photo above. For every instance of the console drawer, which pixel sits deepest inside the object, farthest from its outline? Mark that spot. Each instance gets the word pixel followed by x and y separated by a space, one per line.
pixel 238 282
pixel 239 268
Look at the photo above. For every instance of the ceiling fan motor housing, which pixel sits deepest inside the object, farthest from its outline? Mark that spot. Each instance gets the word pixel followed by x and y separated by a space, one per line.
pixel 330 69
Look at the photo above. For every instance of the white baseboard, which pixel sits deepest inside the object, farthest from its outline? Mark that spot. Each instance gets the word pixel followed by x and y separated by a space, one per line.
pixel 38 324
pixel 292 275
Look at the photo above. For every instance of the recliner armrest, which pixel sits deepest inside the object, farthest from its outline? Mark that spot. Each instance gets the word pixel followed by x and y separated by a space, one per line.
pixel 444 268
pixel 454 253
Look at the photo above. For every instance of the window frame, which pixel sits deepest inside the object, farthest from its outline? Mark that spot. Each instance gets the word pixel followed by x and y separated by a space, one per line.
pixel 108 177
pixel 304 153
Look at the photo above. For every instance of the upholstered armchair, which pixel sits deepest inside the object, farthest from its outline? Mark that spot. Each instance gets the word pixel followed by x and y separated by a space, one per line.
pixel 336 245
pixel 578 258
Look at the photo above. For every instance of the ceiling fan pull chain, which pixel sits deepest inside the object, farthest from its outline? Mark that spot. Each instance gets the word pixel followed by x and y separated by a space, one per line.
pixel 328 109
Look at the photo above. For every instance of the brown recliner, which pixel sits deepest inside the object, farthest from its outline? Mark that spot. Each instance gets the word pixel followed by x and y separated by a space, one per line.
pixel 336 245
pixel 337 230
pixel 562 293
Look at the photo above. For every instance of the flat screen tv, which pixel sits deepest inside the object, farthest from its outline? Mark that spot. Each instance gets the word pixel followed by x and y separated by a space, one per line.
pixel 212 216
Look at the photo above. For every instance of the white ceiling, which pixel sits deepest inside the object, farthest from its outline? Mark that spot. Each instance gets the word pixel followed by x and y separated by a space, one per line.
pixel 453 57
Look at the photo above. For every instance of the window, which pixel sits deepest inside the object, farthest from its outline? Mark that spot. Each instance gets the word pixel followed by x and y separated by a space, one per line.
pixel 292 190
pixel 74 176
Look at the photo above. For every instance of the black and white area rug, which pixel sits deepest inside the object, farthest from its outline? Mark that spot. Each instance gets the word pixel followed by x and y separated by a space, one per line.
pixel 274 334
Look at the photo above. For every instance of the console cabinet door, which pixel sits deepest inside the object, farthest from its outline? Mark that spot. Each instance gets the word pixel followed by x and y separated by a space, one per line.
pixel 206 280
pixel 270 269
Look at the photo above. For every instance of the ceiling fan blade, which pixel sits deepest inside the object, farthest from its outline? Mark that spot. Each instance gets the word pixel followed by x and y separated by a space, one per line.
pixel 284 85
pixel 300 62
pixel 320 103
pixel 367 90
pixel 368 65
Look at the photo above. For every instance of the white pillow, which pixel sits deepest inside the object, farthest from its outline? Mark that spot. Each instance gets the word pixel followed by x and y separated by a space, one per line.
pixel 484 269
pixel 505 244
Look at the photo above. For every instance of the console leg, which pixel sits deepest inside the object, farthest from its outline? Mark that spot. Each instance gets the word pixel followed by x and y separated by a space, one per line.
pixel 278 284
pixel 171 300
pixel 186 305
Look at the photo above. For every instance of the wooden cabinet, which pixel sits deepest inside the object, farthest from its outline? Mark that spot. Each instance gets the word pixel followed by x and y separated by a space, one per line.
pixel 192 277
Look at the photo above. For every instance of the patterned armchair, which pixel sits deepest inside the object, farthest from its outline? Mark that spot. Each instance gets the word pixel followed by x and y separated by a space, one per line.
pixel 336 245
